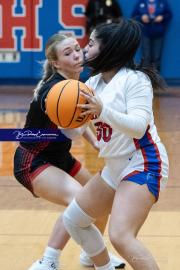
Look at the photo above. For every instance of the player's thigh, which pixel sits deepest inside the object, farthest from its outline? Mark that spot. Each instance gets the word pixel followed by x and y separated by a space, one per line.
pixel 96 197
pixel 131 207
pixel 83 176
pixel 55 185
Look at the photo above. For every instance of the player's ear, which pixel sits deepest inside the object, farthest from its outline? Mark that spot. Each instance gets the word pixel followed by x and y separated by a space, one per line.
pixel 56 64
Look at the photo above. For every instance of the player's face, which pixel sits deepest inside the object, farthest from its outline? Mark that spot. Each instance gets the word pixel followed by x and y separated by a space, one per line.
pixel 70 56
pixel 93 46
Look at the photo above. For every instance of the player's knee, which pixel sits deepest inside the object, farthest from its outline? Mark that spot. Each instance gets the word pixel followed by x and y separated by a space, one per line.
pixel 79 226
pixel 77 216
pixel 120 238
pixel 75 219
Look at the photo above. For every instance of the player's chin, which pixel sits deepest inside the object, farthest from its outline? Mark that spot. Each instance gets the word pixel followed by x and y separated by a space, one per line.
pixel 79 69
pixel 86 56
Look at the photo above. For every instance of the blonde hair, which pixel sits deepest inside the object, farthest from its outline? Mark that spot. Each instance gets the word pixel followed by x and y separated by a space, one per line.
pixel 51 55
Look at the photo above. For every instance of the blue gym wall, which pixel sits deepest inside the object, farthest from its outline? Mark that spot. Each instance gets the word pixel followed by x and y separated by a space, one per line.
pixel 52 16
pixel 171 52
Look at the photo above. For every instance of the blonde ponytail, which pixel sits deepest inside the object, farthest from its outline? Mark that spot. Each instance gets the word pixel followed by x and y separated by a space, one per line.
pixel 48 71
pixel 51 55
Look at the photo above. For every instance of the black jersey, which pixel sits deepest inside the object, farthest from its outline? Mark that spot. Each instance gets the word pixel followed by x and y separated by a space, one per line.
pixel 53 152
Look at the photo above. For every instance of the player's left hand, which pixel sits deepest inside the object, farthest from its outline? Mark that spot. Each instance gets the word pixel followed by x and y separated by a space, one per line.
pixel 94 106
pixel 158 19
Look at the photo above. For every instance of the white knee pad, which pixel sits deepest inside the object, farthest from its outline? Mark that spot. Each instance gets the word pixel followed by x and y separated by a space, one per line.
pixel 80 226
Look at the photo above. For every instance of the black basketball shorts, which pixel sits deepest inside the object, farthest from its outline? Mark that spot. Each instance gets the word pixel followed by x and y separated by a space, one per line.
pixel 27 166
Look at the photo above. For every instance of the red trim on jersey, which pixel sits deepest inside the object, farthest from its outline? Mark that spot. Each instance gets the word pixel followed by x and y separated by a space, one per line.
pixel 29 161
pixel 29 164
pixel 145 159
pixel 23 148
pixel 158 157
pixel 149 135
pixel 130 174
pixel 100 172
pixel 40 146
pixel 136 142
pixel 38 171
pixel 25 160
pixel 160 167
pixel 76 168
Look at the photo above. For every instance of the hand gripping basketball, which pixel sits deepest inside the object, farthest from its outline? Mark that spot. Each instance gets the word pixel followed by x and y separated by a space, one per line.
pixel 93 105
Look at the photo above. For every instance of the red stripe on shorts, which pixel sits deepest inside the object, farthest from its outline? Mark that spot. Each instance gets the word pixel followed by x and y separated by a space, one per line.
pixel 130 174
pixel 38 171
pixel 160 167
pixel 145 159
pixel 76 168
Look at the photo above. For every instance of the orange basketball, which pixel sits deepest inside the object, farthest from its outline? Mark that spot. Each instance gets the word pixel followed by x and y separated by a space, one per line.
pixel 61 104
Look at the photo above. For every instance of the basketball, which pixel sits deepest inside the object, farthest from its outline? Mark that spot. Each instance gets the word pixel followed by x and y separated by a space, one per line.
pixel 61 104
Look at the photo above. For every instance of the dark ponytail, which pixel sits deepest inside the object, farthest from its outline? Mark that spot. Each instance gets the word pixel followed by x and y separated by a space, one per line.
pixel 118 46
pixel 150 70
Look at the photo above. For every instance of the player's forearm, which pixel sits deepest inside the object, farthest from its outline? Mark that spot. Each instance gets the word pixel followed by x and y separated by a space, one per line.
pixel 89 136
pixel 132 125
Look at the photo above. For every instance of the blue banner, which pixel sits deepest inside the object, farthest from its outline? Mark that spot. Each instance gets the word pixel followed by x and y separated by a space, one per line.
pixel 32 135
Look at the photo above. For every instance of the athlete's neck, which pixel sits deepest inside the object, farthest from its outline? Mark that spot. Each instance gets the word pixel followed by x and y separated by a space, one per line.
pixel 107 76
pixel 73 76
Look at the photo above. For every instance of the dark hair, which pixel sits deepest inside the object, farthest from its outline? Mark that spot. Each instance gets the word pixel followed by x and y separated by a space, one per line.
pixel 118 46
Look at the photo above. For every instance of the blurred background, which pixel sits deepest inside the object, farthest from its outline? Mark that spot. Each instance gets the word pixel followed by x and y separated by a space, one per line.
pixel 25 27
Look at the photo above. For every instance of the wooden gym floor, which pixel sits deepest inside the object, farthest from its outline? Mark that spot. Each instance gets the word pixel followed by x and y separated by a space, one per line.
pixel 26 223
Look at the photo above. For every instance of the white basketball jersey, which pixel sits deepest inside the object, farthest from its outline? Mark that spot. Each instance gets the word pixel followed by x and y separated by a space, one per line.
pixel 126 121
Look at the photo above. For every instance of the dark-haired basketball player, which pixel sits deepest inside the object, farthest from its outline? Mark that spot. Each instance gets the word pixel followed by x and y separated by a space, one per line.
pixel 136 160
